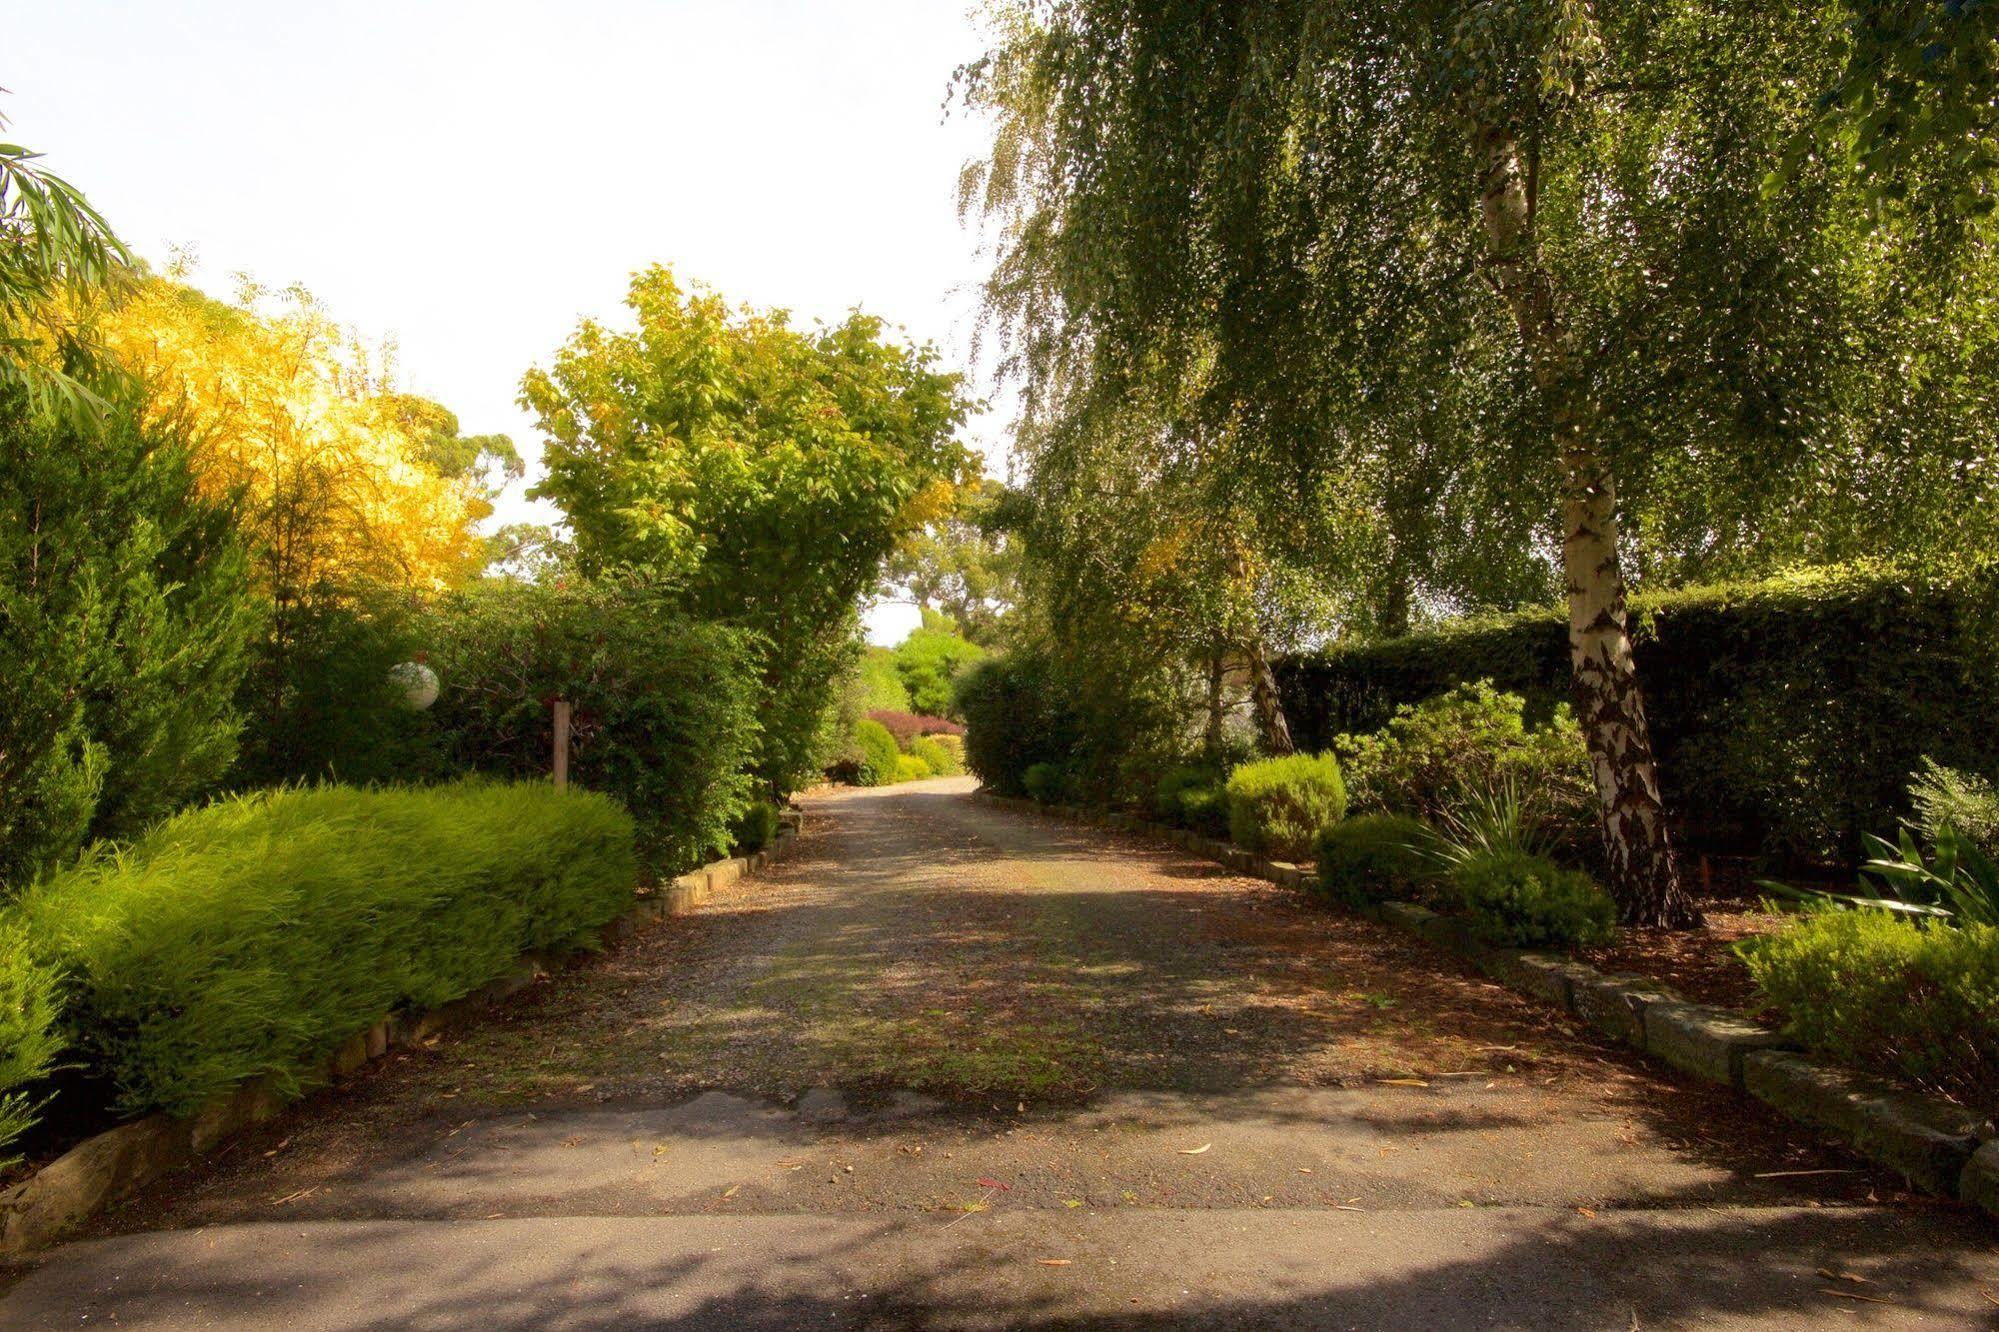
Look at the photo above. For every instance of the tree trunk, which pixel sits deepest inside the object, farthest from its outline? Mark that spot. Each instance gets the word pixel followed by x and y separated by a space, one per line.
pixel 1638 851
pixel 1269 704
pixel 1211 740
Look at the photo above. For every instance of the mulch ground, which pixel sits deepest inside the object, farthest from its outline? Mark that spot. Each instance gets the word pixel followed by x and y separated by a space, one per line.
pixel 1701 964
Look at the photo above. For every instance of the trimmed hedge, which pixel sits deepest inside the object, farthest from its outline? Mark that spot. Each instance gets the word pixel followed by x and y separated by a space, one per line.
pixel 665 708
pixel 1372 858
pixel 910 768
pixel 1279 805
pixel 1015 717
pixel 1788 714
pixel 1873 988
pixel 251 937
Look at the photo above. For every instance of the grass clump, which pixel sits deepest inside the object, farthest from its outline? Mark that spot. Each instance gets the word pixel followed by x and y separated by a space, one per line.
pixel 1876 989
pixel 1373 857
pixel 1277 806
pixel 251 937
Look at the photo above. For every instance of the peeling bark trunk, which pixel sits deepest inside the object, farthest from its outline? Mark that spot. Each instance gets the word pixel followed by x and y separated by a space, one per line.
pixel 1269 704
pixel 1638 850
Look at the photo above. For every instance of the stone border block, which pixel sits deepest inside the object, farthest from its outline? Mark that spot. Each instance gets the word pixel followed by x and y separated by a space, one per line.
pixel 1707 1042
pixel 1931 1142
pixel 1616 1004
pixel 1978 1183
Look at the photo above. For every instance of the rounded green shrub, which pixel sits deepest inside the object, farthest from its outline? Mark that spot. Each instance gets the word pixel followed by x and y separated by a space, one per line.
pixel 879 754
pixel 1521 900
pixel 945 759
pixel 1277 806
pixel 1373 857
pixel 1045 782
pixel 1169 796
pixel 1877 989
pixel 910 768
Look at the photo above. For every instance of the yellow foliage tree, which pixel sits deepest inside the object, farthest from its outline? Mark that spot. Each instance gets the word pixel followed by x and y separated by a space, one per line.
pixel 334 472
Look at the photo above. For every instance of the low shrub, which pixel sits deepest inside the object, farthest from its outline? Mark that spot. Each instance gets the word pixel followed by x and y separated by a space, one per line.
pixel 1521 900
pixel 1191 795
pixel 250 937
pixel 1277 806
pixel 755 827
pixel 1046 782
pixel 944 753
pixel 910 768
pixel 906 726
pixel 879 754
pixel 29 1042
pixel 1470 741
pixel 1373 857
pixel 1870 988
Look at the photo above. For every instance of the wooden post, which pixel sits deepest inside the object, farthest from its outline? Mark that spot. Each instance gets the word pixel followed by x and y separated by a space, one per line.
pixel 561 744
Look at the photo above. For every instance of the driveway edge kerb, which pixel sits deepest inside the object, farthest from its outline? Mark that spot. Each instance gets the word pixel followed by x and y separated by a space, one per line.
pixel 1935 1145
pixel 117 1163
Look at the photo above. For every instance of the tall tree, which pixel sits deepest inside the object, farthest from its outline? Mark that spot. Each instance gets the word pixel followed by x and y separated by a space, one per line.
pixel 56 251
pixel 1502 274
pixel 765 470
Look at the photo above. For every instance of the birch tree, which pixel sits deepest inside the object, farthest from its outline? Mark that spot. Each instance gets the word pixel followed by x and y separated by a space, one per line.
pixel 1498 253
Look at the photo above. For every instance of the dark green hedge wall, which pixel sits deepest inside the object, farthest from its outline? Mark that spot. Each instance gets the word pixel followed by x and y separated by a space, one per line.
pixel 1788 714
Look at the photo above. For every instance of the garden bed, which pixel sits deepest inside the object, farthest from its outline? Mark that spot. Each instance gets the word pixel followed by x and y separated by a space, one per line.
pixel 1701 964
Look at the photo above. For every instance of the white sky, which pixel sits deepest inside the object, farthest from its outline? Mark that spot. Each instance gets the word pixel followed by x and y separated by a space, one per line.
pixel 472 178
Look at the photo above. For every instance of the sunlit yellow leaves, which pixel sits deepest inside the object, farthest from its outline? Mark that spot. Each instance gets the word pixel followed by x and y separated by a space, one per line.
pixel 292 414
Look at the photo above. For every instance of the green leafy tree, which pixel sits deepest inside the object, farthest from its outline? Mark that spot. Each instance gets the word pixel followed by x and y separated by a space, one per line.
pixel 56 253
pixel 930 661
pixel 125 614
pixel 1495 292
pixel 963 565
pixel 765 471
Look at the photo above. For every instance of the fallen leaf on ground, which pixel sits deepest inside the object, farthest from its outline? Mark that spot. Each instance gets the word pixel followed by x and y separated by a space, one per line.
pixel 994 1184
pixel 731 1191
pixel 1053 1262
pixel 1854 1277
pixel 1592 1215
pixel 1072 1202
pixel 1855 1295
pixel 1195 1151
pixel 1402 1082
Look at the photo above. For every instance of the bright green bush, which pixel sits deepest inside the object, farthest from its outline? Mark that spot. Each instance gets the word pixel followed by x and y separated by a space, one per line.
pixel 29 1041
pixel 1373 857
pixel 250 937
pixel 879 755
pixel 1277 806
pixel 1871 988
pixel 1471 741
pixel 1522 900
pixel 755 827
pixel 1046 782
pixel 910 768
pixel 944 753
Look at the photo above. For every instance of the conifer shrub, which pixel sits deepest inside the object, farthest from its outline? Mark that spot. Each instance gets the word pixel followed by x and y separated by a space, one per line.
pixel 1277 806
pixel 29 1041
pixel 251 937
pixel 1373 858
